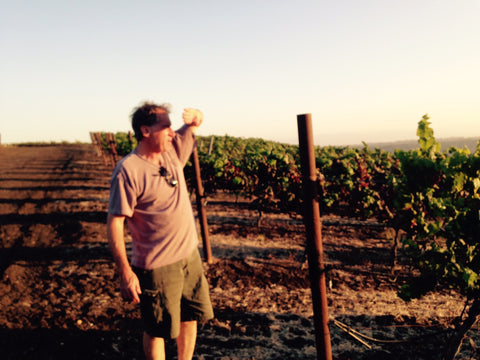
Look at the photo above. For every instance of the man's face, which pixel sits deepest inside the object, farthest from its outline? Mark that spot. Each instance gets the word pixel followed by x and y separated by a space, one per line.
pixel 161 133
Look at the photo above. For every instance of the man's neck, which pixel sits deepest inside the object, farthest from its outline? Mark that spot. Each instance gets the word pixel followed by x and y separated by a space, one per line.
pixel 144 151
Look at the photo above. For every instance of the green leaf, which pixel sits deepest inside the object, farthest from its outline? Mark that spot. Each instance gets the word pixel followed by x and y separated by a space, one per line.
pixel 237 180
pixel 470 277
pixel 459 181
pixel 476 184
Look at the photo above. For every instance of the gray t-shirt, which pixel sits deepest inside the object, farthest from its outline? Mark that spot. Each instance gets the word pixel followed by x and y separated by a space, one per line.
pixel 160 217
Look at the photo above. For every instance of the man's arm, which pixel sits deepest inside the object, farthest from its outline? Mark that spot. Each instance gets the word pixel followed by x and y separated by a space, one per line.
pixel 129 284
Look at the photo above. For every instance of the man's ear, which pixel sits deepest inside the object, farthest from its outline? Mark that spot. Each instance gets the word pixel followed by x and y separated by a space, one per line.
pixel 145 131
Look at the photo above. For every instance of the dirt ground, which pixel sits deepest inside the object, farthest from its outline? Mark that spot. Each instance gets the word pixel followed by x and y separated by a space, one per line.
pixel 59 295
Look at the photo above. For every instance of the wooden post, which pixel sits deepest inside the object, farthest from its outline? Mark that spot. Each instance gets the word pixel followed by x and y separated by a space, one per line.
pixel 210 148
pixel 130 140
pixel 98 140
pixel 201 209
pixel 314 245
pixel 95 144
pixel 110 137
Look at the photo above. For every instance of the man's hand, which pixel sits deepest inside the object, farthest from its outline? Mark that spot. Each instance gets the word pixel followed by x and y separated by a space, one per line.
pixel 192 117
pixel 130 287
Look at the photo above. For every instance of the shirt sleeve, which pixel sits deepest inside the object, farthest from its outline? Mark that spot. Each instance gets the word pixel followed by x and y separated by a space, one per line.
pixel 122 199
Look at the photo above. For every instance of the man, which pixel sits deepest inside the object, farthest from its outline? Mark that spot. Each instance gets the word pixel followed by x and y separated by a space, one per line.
pixel 149 191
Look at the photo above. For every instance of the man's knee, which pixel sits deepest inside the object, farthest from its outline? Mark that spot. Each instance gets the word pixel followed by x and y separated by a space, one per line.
pixel 154 347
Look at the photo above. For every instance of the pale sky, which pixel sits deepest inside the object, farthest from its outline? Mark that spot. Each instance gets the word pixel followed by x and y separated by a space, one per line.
pixel 366 70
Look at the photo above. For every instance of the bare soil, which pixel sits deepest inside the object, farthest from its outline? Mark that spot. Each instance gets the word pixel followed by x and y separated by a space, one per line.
pixel 59 295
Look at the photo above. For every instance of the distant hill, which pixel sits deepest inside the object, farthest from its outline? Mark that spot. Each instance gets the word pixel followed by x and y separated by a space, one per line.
pixel 457 142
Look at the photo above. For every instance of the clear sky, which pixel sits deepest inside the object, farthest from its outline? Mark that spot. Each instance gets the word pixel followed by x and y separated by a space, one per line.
pixel 366 70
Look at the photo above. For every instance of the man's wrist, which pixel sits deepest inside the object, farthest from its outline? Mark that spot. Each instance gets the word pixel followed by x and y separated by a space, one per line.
pixel 124 270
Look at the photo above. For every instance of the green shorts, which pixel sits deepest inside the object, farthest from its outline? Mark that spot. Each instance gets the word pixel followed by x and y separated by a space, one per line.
pixel 172 294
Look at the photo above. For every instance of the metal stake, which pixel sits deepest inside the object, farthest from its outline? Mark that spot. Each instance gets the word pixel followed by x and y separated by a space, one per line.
pixel 314 245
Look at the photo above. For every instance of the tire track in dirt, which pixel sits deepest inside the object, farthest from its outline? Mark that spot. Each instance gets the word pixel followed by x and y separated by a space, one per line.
pixel 12 233
pixel 30 187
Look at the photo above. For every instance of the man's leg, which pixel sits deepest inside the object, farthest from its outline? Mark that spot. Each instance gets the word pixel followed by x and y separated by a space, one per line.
pixel 186 340
pixel 154 347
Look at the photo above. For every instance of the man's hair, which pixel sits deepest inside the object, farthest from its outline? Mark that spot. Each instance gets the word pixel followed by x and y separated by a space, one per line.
pixel 146 114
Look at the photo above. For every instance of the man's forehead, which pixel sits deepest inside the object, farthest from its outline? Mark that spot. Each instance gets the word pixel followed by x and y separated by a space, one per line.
pixel 162 117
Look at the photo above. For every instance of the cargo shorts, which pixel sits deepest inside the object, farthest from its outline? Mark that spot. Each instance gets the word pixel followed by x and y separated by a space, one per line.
pixel 172 294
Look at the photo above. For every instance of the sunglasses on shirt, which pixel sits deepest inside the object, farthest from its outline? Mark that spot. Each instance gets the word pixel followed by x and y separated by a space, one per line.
pixel 168 177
